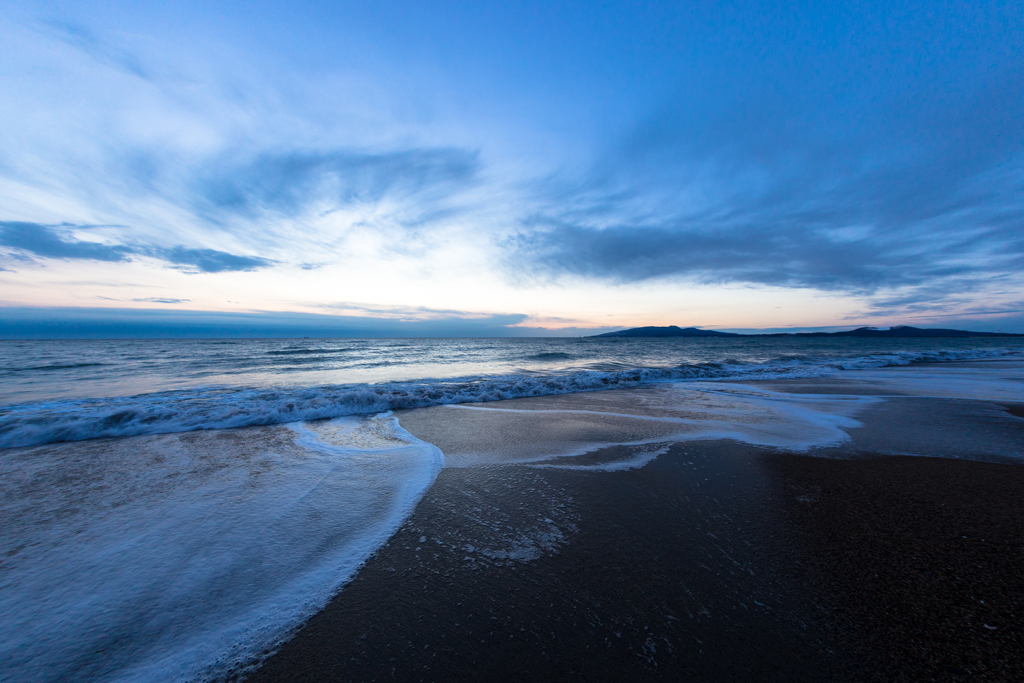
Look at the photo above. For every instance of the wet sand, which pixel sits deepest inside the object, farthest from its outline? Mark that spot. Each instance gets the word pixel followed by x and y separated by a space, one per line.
pixel 679 570
pixel 715 561
pixel 921 559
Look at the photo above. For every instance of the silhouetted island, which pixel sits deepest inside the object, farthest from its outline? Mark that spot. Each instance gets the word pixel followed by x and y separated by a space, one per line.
pixel 903 331
pixel 670 331
pixel 897 331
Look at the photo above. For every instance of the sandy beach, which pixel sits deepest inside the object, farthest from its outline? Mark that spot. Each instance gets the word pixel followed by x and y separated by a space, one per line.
pixel 715 560
pixel 860 525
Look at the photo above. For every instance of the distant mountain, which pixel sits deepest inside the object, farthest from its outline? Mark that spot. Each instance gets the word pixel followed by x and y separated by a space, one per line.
pixel 906 331
pixel 870 332
pixel 670 331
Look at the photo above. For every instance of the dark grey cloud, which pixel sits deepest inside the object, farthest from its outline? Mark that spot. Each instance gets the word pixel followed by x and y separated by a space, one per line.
pixel 211 260
pixel 715 255
pixel 286 183
pixel 45 241
pixel 777 186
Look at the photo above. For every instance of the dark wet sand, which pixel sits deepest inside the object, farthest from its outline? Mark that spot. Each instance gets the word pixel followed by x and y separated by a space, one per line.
pixel 717 561
pixel 922 559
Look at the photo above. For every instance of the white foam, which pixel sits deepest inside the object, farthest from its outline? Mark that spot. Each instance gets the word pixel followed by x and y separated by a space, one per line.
pixel 576 426
pixel 640 457
pixel 739 403
pixel 175 558
pixel 652 416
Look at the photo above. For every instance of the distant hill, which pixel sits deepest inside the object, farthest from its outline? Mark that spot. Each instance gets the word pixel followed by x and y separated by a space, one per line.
pixel 670 331
pixel 870 332
pixel 905 331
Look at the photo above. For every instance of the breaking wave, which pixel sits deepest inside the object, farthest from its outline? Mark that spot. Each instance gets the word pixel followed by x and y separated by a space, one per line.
pixel 219 407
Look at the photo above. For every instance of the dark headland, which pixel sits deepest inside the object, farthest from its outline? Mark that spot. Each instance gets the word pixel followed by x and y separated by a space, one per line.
pixel 670 331
pixel 904 331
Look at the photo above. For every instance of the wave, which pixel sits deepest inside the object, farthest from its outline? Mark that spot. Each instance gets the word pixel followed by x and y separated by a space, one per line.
pixel 300 352
pixel 36 423
pixel 551 355
pixel 157 568
pixel 63 366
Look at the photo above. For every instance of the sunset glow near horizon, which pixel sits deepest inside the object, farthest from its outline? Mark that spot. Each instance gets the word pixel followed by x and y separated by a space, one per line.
pixel 490 168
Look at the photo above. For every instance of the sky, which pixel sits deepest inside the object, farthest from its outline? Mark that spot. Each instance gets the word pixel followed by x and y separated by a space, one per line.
pixel 513 168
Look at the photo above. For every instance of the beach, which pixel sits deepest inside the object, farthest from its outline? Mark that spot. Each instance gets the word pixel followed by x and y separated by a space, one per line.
pixel 849 512
pixel 870 559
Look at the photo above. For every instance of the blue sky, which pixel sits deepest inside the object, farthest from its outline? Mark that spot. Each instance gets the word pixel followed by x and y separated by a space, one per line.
pixel 511 168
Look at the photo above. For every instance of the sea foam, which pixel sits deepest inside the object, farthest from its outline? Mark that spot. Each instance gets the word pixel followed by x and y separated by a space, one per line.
pixel 191 556
pixel 636 426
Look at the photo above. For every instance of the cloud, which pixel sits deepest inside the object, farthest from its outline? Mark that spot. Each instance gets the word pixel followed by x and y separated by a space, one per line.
pixel 211 260
pixel 716 254
pixel 959 297
pixel 410 313
pixel 770 186
pixel 161 300
pixel 44 241
pixel 148 299
pixel 287 183
pixel 80 37
pixel 181 143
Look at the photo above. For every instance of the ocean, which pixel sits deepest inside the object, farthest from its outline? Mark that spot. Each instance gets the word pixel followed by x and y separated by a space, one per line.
pixel 172 510
pixel 68 390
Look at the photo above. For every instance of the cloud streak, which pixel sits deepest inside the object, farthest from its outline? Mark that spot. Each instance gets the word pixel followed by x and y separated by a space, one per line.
pixel 210 260
pixel 45 241
pixel 161 300
pixel 79 36
pixel 769 186
pixel 421 312
pixel 287 183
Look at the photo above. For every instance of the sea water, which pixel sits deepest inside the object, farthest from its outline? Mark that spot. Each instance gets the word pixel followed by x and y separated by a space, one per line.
pixel 173 510
pixel 187 556
pixel 67 390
